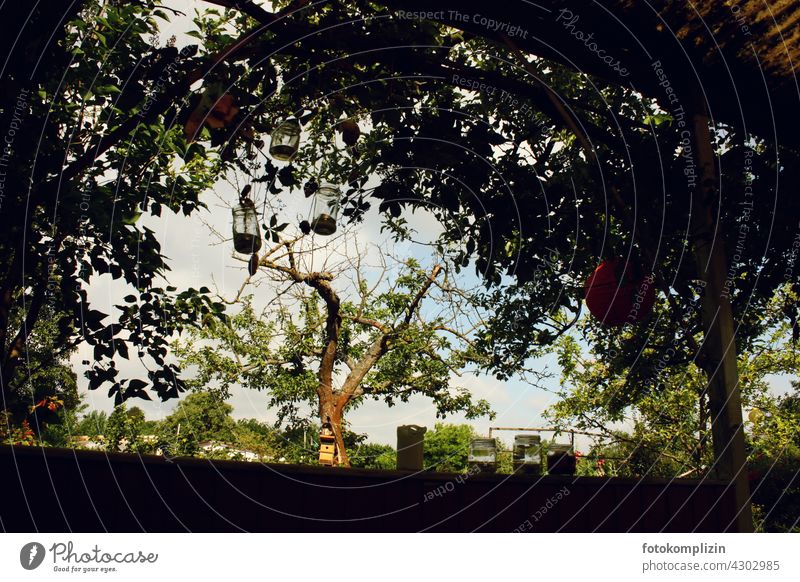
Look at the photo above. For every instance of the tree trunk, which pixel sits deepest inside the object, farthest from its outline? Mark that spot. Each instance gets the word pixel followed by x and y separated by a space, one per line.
pixel 329 412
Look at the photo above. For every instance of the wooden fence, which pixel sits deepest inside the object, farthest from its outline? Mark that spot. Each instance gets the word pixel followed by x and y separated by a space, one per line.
pixel 60 490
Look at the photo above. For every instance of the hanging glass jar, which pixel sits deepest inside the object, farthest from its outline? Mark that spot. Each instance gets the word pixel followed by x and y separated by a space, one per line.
pixel 246 233
pixel 285 140
pixel 325 209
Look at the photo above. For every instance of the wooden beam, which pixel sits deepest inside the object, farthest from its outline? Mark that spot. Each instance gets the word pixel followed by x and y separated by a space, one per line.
pixel 719 341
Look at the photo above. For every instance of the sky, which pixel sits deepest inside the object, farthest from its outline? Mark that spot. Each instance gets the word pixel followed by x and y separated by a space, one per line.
pixel 197 258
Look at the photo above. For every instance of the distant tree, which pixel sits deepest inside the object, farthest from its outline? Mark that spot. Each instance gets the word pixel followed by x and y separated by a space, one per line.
pixel 136 415
pixel 124 430
pixel 200 416
pixel 93 424
pixel 775 423
pixel 264 440
pixel 634 454
pixel 447 447
pixel 374 456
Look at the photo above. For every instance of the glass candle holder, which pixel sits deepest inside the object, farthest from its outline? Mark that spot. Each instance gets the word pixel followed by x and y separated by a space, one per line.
pixel 246 232
pixel 325 209
pixel 285 140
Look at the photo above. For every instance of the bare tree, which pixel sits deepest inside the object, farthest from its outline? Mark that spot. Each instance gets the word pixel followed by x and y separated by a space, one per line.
pixel 364 323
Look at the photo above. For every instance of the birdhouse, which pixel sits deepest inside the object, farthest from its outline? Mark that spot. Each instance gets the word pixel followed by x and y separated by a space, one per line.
pixel 325 209
pixel 618 293
pixel 285 140
pixel 483 455
pixel 327 445
pixel 246 232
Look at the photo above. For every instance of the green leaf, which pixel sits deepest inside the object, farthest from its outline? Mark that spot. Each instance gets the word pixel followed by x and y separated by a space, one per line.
pixel 133 219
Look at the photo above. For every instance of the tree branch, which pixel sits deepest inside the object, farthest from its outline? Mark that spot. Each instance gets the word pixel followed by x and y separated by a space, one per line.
pixel 368 322
pixel 422 292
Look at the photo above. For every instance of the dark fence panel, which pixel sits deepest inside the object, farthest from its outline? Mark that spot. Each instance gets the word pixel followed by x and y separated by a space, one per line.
pixel 57 490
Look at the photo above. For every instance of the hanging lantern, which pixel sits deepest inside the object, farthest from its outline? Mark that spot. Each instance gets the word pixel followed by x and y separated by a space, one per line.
pixel 285 140
pixel 617 293
pixel 246 233
pixel 325 209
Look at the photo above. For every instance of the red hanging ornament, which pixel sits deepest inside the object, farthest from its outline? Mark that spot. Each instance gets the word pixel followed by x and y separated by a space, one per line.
pixel 618 293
